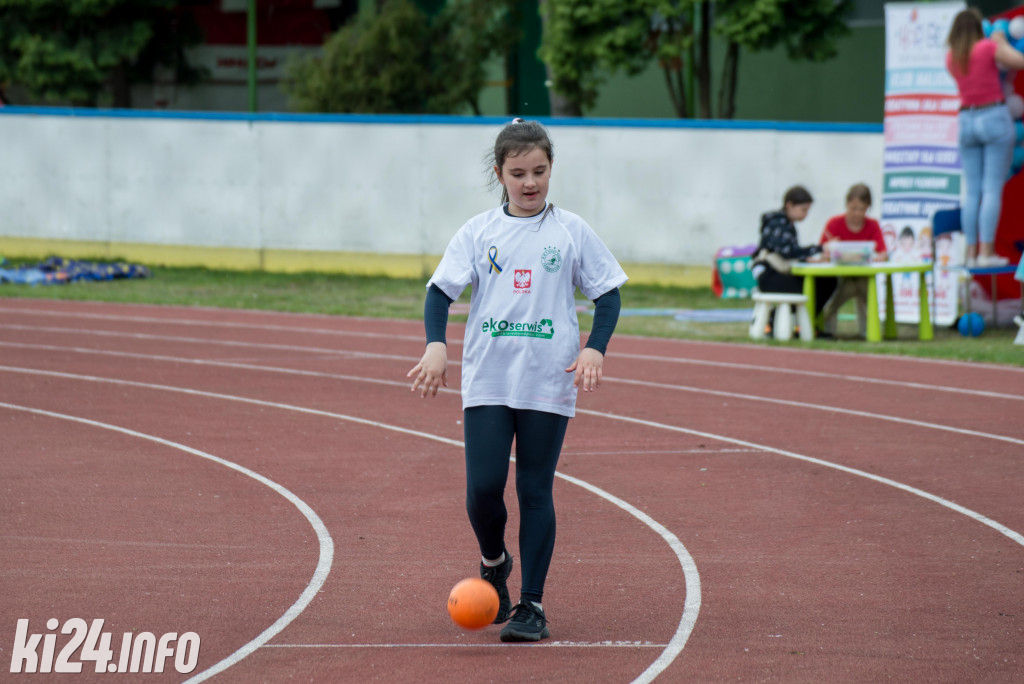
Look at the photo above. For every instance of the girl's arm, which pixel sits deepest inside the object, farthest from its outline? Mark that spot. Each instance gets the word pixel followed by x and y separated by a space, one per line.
pixel 881 252
pixel 1007 55
pixel 589 365
pixel 779 236
pixel 432 370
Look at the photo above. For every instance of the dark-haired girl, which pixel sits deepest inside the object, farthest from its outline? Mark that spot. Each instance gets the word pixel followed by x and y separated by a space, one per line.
pixel 521 360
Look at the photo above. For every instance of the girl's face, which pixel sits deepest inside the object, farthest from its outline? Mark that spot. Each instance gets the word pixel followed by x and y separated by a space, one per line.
pixel 797 212
pixel 526 178
pixel 856 210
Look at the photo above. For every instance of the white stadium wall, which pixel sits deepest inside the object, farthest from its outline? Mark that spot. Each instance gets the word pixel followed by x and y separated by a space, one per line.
pixel 385 193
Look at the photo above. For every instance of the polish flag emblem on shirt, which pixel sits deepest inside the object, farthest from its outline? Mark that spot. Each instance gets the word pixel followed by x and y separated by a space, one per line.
pixel 523 278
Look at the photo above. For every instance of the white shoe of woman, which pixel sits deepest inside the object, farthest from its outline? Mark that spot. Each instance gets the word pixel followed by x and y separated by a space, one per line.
pixel 994 260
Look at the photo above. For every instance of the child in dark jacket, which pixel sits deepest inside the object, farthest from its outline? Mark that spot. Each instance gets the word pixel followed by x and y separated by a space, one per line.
pixel 779 244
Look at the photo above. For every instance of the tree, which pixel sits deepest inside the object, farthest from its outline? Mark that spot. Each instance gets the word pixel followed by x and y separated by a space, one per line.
pixel 399 60
pixel 587 40
pixel 807 29
pixel 74 50
pixel 174 31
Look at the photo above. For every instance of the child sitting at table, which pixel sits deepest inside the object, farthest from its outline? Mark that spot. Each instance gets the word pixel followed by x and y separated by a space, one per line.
pixel 779 247
pixel 852 225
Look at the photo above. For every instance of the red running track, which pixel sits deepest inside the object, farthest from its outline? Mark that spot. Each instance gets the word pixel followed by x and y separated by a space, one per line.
pixel 726 512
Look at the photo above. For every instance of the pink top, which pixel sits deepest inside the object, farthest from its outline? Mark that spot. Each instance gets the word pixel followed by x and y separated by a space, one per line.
pixel 980 85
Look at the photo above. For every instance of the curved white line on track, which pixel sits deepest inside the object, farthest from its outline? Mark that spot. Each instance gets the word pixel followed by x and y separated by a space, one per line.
pixel 652 672
pixel 691 603
pixel 323 566
pixel 819 407
pixel 229 397
pixel 691 578
pixel 998 527
pixel 395 383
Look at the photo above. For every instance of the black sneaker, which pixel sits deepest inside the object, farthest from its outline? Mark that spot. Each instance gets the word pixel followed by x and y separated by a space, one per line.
pixel 497 576
pixel 528 624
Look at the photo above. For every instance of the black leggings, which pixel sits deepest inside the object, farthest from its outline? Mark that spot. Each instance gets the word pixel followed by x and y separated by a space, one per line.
pixel 538 436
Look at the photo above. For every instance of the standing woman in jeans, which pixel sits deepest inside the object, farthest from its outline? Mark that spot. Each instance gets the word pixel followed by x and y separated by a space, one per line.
pixel 986 129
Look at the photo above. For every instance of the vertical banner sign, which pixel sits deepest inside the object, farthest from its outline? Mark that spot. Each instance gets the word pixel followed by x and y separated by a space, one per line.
pixel 922 159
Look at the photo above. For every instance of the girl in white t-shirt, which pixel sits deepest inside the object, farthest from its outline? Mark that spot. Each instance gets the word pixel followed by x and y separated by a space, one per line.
pixel 521 361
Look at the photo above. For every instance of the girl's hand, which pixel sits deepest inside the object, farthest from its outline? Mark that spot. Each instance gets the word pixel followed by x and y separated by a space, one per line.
pixel 432 370
pixel 587 367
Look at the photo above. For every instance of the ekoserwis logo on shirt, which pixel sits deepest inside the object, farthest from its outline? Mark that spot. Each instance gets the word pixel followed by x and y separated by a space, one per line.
pixel 543 329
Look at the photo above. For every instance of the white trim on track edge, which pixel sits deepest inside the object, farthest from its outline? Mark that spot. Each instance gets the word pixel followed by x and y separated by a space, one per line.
pixel 691 603
pixel 323 566
pixel 978 517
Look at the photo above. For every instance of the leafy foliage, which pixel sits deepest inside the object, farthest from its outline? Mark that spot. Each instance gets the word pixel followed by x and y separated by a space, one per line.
pixel 402 61
pixel 587 40
pixel 70 50
pixel 807 29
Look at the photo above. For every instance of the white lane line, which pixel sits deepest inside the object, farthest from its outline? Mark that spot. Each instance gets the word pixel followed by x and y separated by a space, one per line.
pixel 821 407
pixel 208 362
pixel 822 374
pixel 691 578
pixel 543 644
pixel 691 602
pixel 455 362
pixel 229 397
pixel 747 348
pixel 323 566
pixel 645 383
pixel 998 527
pixel 217 343
pixel 118 542
pixel 739 347
pixel 220 324
pixel 644 452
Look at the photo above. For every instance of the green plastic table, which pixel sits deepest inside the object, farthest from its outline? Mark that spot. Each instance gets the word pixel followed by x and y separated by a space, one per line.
pixel 810 271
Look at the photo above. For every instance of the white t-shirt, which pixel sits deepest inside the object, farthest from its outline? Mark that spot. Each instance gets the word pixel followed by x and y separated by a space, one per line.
pixel 522 331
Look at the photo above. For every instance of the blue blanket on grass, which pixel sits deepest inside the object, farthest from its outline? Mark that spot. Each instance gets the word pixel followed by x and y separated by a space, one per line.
pixel 57 270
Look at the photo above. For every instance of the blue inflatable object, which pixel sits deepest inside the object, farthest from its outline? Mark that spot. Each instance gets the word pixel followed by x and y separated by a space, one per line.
pixel 1001 25
pixel 1018 129
pixel 971 324
pixel 986 27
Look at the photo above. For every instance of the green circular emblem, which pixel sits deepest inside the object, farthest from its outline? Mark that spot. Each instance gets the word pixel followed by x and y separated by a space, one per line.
pixel 551 259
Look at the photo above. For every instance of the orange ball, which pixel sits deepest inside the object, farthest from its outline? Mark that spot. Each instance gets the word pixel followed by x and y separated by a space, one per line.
pixel 473 603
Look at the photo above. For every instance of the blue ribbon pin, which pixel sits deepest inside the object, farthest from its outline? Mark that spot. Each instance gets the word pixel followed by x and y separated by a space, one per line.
pixel 492 254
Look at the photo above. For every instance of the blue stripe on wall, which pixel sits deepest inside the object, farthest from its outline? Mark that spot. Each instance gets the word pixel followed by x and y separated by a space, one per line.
pixel 412 119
